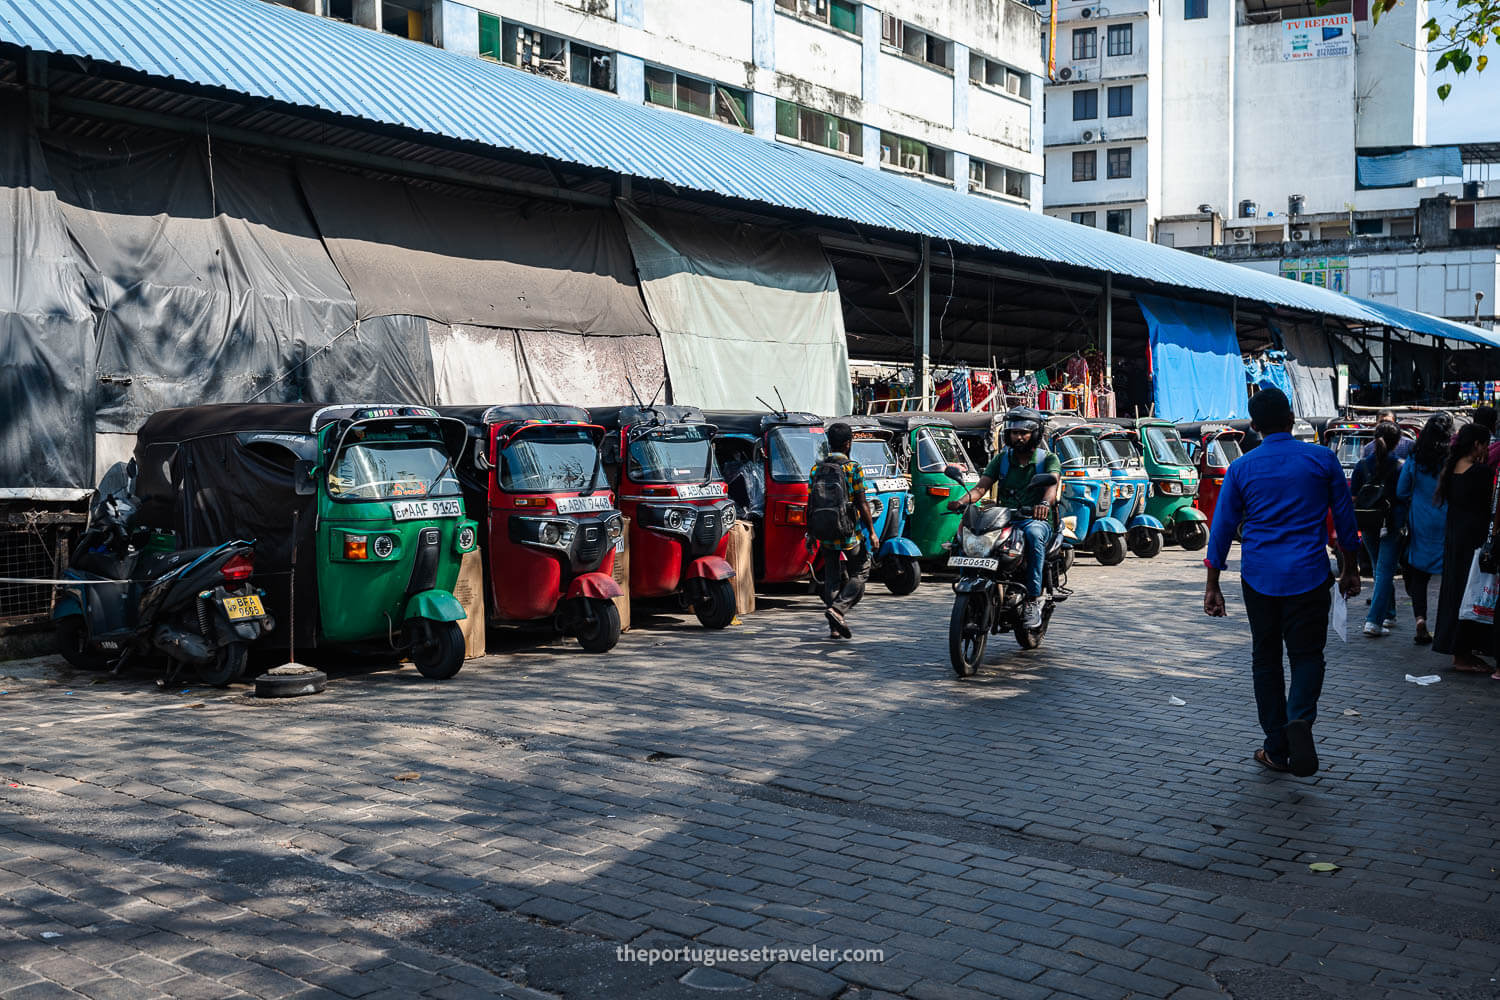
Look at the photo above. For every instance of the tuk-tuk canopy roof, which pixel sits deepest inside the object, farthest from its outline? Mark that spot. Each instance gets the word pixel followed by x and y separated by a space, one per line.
pixel 479 416
pixel 187 422
pixel 863 424
pixel 754 423
pixel 908 420
pixel 616 417
pixel 1197 429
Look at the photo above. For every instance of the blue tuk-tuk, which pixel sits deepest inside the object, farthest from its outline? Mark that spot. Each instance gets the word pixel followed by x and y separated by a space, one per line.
pixel 888 491
pixel 1144 534
pixel 1087 495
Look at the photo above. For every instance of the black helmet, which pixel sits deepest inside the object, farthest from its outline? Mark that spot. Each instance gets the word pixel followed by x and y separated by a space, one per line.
pixel 1023 418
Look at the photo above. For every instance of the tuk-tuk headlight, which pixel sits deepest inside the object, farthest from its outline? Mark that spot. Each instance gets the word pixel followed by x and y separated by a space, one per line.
pixel 911 503
pixel 615 528
pixel 383 546
pixel 1169 488
pixel 550 533
pixel 677 520
pixel 466 538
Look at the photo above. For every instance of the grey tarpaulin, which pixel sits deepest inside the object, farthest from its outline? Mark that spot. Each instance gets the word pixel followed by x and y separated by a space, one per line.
pixel 1309 366
pixel 742 312
pixel 47 366
pixel 484 365
pixel 476 261
pixel 383 358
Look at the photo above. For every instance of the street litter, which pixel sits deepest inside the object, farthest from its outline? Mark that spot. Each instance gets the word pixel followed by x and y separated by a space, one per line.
pixel 408 776
pixel 1322 866
pixel 1424 680
pixel 1174 700
pixel 50 934
pixel 1350 711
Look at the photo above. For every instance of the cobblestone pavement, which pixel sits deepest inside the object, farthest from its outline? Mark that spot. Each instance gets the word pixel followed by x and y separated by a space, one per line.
pixel 1053 827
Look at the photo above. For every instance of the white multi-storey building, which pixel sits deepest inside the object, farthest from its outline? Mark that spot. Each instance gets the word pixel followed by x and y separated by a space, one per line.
pixel 945 90
pixel 1187 122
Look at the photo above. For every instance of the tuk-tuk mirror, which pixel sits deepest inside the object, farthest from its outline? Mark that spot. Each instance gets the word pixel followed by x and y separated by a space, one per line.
pixel 954 473
pixel 481 454
pixel 1043 480
pixel 302 478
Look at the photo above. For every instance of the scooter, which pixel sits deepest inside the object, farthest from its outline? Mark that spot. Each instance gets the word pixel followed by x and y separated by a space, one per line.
pixel 196 606
pixel 990 592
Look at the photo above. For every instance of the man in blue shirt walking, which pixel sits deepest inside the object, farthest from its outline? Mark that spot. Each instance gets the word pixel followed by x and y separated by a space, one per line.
pixel 1278 496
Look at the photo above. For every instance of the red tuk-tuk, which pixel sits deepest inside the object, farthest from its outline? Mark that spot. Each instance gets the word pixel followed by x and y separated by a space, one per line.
pixel 550 526
pixel 667 481
pixel 1213 446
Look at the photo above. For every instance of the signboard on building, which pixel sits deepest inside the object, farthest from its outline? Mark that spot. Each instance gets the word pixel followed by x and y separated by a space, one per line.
pixel 1325 272
pixel 1317 37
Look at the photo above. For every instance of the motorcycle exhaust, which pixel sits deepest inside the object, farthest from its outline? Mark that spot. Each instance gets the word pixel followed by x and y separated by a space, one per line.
pixel 180 645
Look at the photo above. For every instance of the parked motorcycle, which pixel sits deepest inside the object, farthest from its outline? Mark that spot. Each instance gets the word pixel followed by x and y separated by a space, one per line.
pixel 990 590
pixel 137 596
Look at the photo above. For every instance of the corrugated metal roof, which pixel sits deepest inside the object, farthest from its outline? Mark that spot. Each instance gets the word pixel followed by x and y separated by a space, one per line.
pixel 268 51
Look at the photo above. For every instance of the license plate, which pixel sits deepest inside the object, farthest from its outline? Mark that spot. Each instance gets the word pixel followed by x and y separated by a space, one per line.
pixel 411 510
pixel 973 562
pixel 892 485
pixel 580 505
pixel 240 608
pixel 694 491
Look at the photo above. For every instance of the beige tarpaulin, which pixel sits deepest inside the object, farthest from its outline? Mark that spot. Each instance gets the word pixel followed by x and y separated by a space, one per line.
pixel 475 364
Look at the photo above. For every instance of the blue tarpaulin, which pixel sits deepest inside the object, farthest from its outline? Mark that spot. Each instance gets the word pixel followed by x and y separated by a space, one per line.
pixel 1196 371
pixel 1399 169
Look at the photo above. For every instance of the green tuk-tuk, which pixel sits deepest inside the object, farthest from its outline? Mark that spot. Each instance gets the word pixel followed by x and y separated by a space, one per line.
pixel 1174 483
pixel 926 444
pixel 360 502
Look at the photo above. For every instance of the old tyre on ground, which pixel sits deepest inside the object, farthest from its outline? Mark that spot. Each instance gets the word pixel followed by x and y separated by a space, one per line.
pixel 903 575
pixel 438 650
pixel 600 633
pixel 72 636
pixel 968 632
pixel 226 666
pixel 1110 551
pixel 290 680
pixel 715 609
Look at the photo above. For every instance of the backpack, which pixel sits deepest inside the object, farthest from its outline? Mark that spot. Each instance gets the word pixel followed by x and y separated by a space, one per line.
pixel 1372 505
pixel 828 515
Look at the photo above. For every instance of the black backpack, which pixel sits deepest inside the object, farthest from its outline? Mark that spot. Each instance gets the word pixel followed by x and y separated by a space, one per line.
pixel 828 516
pixel 1372 505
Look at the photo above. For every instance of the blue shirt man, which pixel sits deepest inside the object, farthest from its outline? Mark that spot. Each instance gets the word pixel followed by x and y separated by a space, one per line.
pixel 1278 497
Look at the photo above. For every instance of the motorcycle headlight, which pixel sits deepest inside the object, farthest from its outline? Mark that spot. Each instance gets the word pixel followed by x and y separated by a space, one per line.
pixel 975 544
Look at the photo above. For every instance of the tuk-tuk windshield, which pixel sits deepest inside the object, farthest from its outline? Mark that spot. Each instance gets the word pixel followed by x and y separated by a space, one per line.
pixel 1350 448
pixel 550 460
pixel 1166 444
pixel 1222 451
pixel 1077 451
pixel 677 453
pixel 1120 453
pixel 794 452
pixel 384 465
pixel 938 448
pixel 875 458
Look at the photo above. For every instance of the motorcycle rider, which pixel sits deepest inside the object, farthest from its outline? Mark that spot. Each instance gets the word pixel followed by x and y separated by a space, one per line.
pixel 1020 460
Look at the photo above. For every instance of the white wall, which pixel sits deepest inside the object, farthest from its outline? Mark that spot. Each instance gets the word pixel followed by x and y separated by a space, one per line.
pixel 916 90
pixel 1294 126
pixel 1197 126
pixel 709 38
pixel 1392 71
pixel 997 119
pixel 830 58
pixel 1063 191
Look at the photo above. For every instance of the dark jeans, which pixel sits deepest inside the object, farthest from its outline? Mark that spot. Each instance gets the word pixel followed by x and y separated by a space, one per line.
pixel 1416 588
pixel 843 595
pixel 1300 623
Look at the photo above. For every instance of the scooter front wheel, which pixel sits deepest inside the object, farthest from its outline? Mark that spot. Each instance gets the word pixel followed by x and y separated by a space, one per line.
pixel 968 632
pixel 903 575
pixel 439 650
pixel 227 665
pixel 602 631
pixel 72 634
pixel 716 608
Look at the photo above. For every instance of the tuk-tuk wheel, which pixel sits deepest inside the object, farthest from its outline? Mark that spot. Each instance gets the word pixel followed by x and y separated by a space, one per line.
pixel 1150 548
pixel 903 575
pixel 226 666
pixel 72 636
pixel 1110 551
pixel 599 634
pixel 438 651
pixel 1192 536
pixel 715 609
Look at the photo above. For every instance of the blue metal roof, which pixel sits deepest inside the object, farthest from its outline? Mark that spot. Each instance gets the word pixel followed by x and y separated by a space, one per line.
pixel 263 50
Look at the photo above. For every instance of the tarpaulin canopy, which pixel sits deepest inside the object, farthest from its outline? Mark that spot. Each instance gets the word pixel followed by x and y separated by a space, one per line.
pixel 1309 367
pixel 475 364
pixel 1195 361
pixel 1400 169
pixel 743 312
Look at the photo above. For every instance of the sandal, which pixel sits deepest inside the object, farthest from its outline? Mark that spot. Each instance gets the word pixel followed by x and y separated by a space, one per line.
pixel 1265 761
pixel 1495 676
pixel 1471 668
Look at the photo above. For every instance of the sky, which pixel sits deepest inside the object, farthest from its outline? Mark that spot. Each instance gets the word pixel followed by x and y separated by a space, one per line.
pixel 1472 111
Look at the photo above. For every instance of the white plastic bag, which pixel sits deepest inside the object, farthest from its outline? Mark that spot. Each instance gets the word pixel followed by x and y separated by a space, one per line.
pixel 1339 616
pixel 1479 595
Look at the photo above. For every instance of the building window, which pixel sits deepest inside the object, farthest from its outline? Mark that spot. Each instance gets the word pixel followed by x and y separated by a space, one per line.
pixel 1118 163
pixel 591 67
pixel 697 97
pixel 1085 105
pixel 1121 102
pixel 1369 227
pixel 1085 43
pixel 1195 10
pixel 1085 165
pixel 914 43
pixel 912 154
pixel 988 73
pixel 1086 219
pixel 840 14
pixel 489 37
pixel 533 51
pixel 817 128
pixel 1117 220
pixel 1119 40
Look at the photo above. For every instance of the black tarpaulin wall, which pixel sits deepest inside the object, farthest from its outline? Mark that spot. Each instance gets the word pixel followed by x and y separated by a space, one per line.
pixel 46 328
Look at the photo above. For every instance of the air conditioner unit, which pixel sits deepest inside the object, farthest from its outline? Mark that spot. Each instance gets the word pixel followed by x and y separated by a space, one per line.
pixel 911 161
pixel 975 184
pixel 1088 136
pixel 1300 234
pixel 1087 13
pixel 1066 73
pixel 1080 76
pixel 1101 11
pixel 1012 84
pixel 1243 235
pixel 844 140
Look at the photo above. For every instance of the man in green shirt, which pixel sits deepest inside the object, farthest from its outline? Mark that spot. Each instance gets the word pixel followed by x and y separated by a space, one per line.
pixel 1013 469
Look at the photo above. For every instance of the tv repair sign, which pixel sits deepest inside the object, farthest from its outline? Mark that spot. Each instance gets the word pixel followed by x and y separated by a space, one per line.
pixel 1317 37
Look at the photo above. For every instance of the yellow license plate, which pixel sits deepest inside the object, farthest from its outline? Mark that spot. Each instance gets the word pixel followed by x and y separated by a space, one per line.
pixel 243 607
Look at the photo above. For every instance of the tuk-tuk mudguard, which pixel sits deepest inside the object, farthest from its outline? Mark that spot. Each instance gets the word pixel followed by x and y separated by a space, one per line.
pixel 973 584
pixel 899 547
pixel 67 604
pixel 1146 521
pixel 1106 526
pixel 709 568
pixel 1187 514
pixel 436 605
pixel 595 587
